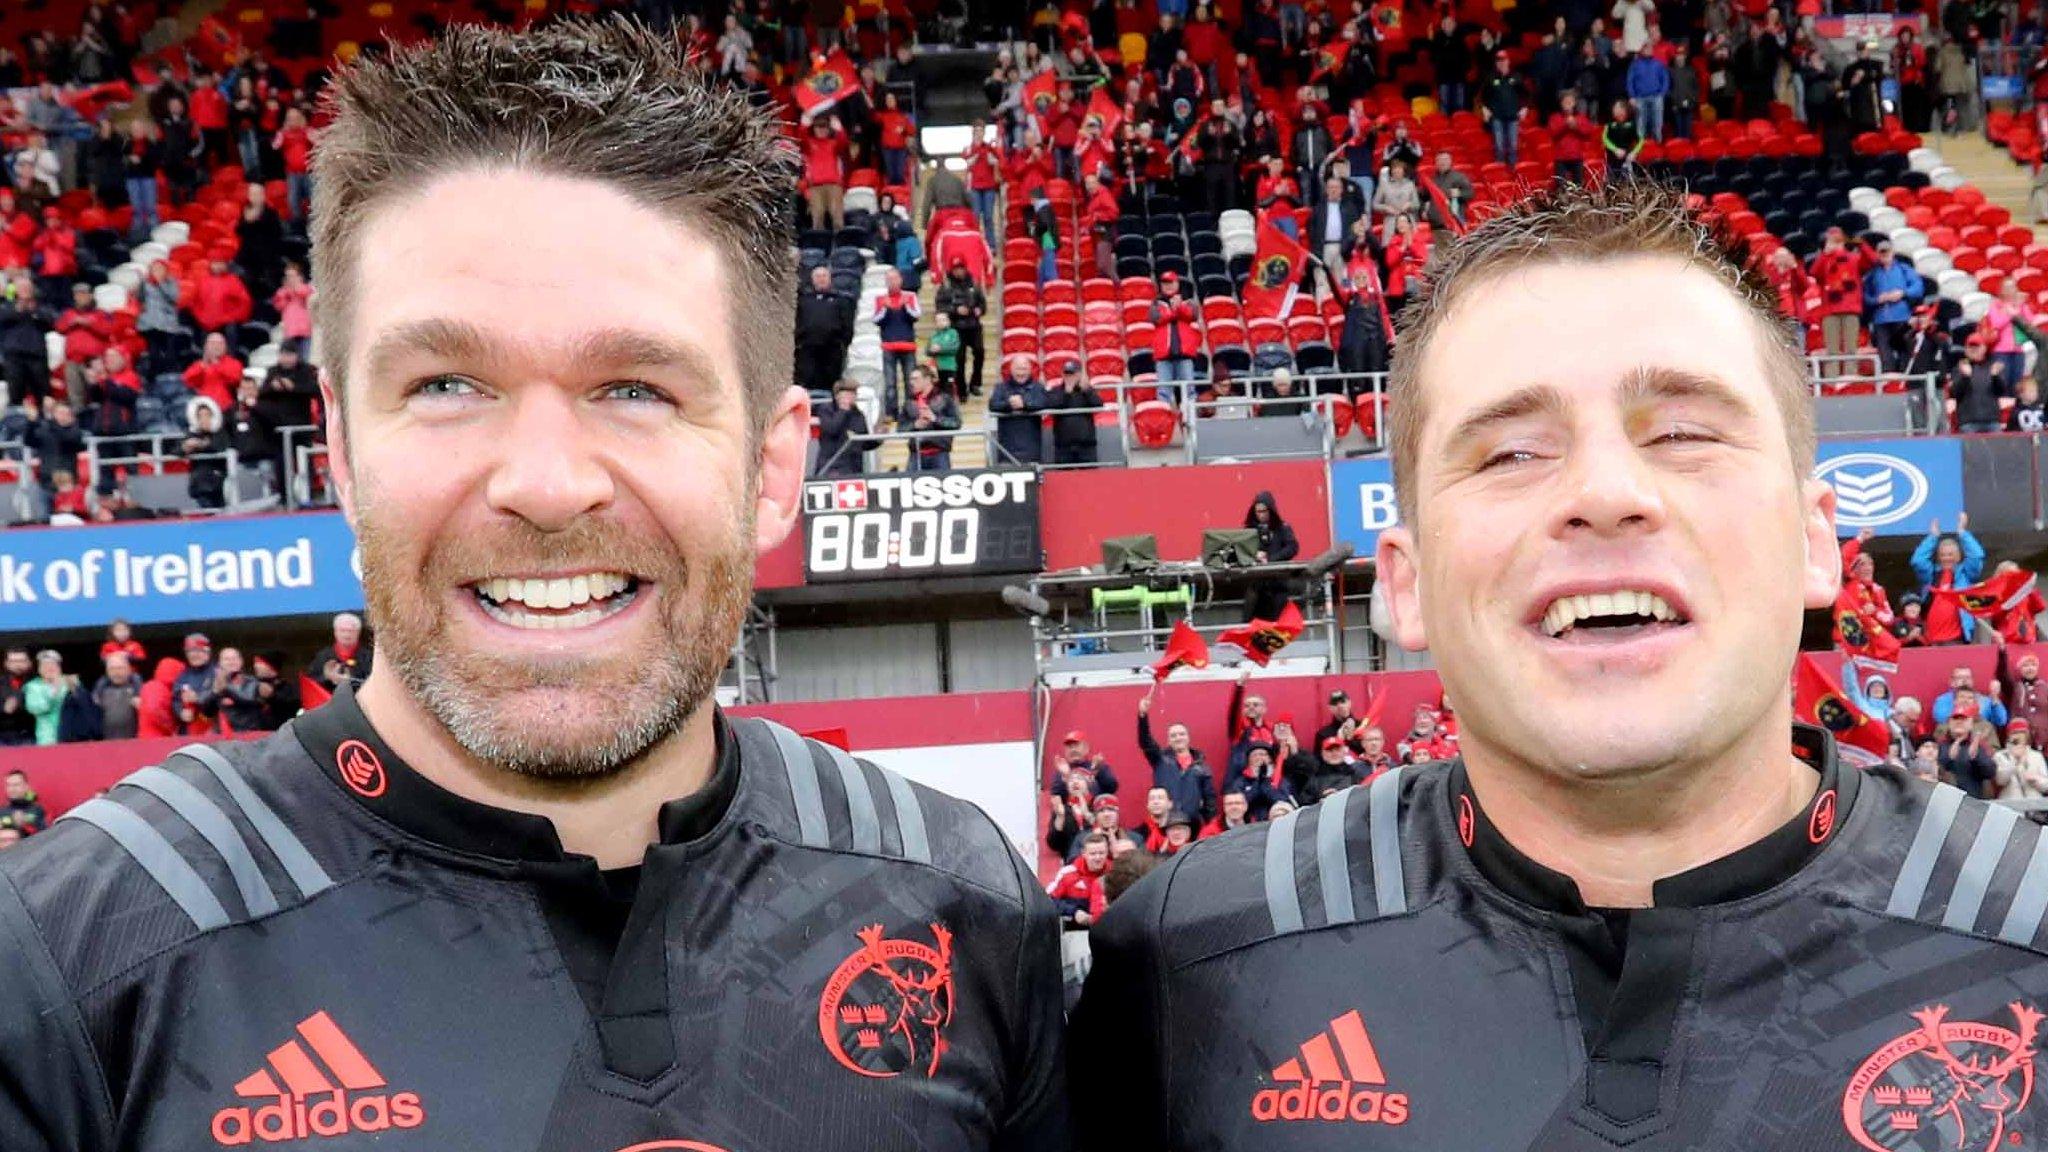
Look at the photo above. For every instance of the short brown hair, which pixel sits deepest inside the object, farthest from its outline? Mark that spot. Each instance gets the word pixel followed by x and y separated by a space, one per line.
pixel 608 101
pixel 1609 220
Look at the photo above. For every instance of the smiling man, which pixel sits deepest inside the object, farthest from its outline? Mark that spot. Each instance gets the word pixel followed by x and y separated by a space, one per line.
pixel 527 887
pixel 1642 909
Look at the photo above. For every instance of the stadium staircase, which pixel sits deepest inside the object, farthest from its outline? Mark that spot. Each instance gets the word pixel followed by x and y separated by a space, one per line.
pixel 2004 181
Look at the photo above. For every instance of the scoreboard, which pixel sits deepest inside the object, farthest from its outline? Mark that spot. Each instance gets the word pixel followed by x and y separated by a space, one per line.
pixel 967 523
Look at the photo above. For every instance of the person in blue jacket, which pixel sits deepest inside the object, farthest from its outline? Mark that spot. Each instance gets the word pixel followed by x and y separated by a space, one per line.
pixel 1649 81
pixel 1951 560
pixel 1891 289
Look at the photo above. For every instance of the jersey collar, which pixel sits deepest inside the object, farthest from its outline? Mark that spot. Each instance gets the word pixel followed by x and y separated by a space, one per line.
pixel 1740 874
pixel 349 751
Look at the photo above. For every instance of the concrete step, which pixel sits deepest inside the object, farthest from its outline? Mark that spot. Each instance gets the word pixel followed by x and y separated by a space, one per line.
pixel 1992 169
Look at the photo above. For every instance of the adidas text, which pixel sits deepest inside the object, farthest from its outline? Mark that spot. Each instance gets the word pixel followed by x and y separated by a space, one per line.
pixel 1340 1100
pixel 332 1114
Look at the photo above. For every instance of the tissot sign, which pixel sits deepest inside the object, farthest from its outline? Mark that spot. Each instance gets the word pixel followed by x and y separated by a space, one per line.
pixel 934 524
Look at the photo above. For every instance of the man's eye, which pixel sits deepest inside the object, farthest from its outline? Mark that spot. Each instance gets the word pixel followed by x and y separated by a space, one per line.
pixel 635 391
pixel 1506 457
pixel 445 387
pixel 1686 436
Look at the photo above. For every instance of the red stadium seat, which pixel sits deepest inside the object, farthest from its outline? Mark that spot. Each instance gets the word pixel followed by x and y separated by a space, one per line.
pixel 1056 340
pixel 2003 258
pixel 1110 364
pixel 1969 259
pixel 1020 294
pixel 1365 416
pixel 1341 418
pixel 1944 237
pixel 1060 315
pixel 1899 197
pixel 1303 329
pixel 2016 236
pixel 1956 216
pixel 1266 330
pixel 1059 291
pixel 1100 313
pixel 1154 422
pixel 1978 236
pixel 1136 312
pixel 1226 334
pixel 1138 337
pixel 1970 195
pixel 1920 216
pixel 2036 256
pixel 1993 215
pixel 2030 281
pixel 1990 280
pixel 1097 288
pixel 1137 288
pixel 1937 198
pixel 1016 342
pixel 1221 308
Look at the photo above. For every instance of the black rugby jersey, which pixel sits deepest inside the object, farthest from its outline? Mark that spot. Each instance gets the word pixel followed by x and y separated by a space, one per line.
pixel 1383 971
pixel 300 943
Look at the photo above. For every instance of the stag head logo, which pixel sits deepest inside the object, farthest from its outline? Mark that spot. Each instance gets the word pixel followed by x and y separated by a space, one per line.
pixel 1963 1084
pixel 885 1010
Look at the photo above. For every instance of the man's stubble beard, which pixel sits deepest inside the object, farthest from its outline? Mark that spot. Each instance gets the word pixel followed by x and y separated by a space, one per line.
pixel 619 706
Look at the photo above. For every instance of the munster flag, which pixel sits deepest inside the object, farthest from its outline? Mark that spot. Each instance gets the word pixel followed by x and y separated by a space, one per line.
pixel 1041 92
pixel 1387 18
pixel 1818 699
pixel 1329 59
pixel 2007 600
pixel 831 81
pixel 1261 638
pixel 1103 112
pixel 1276 273
pixel 1860 637
pixel 1185 648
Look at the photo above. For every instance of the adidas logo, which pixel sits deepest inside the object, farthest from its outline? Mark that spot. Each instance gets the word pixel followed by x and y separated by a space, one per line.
pixel 318 1084
pixel 1336 1077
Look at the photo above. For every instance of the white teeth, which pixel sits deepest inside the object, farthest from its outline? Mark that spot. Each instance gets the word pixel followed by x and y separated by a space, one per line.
pixel 567 592
pixel 1566 611
pixel 579 590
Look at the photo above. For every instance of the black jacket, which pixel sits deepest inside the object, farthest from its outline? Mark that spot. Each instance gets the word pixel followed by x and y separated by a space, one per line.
pixel 963 300
pixel 1976 391
pixel 1276 536
pixel 1804 971
pixel 945 418
pixel 1073 429
pixel 22 330
pixel 1018 431
pixel 807 913
pixel 823 319
pixel 55 446
pixel 1193 788
pixel 838 455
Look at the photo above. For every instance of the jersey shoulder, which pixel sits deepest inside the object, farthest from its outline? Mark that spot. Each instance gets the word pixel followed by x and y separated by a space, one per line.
pixel 171 852
pixel 819 796
pixel 1349 859
pixel 1932 854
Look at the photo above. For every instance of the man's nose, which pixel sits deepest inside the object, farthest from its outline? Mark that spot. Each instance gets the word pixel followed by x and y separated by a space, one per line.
pixel 550 472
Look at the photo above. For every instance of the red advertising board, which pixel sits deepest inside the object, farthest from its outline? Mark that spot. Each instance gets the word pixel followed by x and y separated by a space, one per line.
pixel 1080 509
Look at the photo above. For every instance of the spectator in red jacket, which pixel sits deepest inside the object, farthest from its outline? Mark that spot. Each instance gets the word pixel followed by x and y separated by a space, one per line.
pixel 294 302
pixel 1426 740
pixel 219 299
pixel 1099 211
pixel 824 151
pixel 1790 282
pixel 294 144
pixel 1859 579
pixel 1063 128
pixel 215 375
pixel 985 181
pixel 1077 890
pixel 87 330
pixel 1277 197
pixel 1407 254
pixel 1572 133
pixel 1175 339
pixel 1837 269
pixel 210 116
pixel 121 639
pixel 156 707
pixel 897 132
pixel 55 255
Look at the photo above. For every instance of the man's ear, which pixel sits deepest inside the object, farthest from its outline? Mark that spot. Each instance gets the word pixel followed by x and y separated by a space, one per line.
pixel 339 470
pixel 1400 586
pixel 778 495
pixel 1823 573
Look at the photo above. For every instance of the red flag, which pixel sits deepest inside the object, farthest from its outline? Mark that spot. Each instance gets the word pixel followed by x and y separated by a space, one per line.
pixel 312 693
pixel 1443 205
pixel 1185 648
pixel 1329 58
pixel 216 44
pixel 830 82
pixel 1388 18
pixel 2007 599
pixel 1276 273
pixel 1261 638
pixel 1859 635
pixel 1103 111
pixel 1818 699
pixel 1041 92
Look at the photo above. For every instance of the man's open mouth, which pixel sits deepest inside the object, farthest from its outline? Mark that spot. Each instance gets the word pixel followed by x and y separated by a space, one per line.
pixel 1611 616
pixel 555 602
